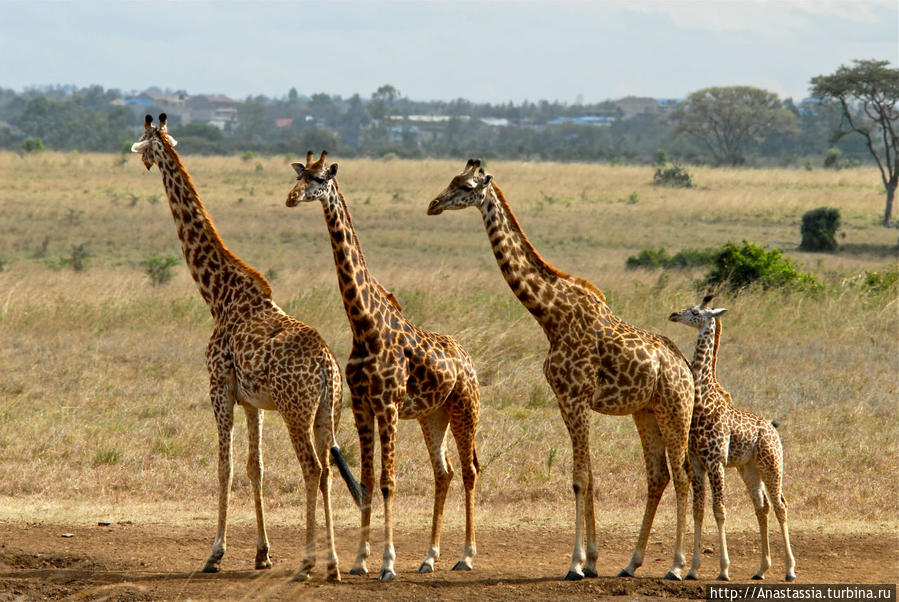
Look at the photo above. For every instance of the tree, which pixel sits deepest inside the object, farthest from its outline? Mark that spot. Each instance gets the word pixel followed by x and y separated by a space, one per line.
pixel 867 94
pixel 729 119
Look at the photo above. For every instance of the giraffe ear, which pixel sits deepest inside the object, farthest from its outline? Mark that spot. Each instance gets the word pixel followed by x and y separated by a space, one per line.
pixel 172 141
pixel 139 146
pixel 487 179
pixel 332 171
pixel 717 313
pixel 298 167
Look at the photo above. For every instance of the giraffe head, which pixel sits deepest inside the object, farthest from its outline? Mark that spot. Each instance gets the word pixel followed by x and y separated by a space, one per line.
pixel 154 141
pixel 698 315
pixel 468 189
pixel 314 180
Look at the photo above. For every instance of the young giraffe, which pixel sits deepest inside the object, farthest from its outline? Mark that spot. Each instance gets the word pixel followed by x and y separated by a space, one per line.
pixel 720 436
pixel 396 371
pixel 258 357
pixel 595 361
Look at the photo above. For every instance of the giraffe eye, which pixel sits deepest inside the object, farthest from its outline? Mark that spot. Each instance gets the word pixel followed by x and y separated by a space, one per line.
pixel 319 180
pixel 466 187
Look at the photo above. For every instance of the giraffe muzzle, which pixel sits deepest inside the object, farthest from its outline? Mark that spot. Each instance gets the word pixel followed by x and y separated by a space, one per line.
pixel 433 208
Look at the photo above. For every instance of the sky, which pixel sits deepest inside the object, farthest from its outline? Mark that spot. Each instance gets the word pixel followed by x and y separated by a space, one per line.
pixel 487 51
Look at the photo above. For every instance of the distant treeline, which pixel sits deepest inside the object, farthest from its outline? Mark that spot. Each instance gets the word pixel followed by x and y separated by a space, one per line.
pixel 97 119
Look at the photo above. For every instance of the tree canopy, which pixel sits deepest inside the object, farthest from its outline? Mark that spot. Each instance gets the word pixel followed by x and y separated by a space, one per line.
pixel 867 94
pixel 727 120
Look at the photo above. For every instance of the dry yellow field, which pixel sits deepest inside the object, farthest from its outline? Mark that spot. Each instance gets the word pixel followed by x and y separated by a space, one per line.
pixel 104 412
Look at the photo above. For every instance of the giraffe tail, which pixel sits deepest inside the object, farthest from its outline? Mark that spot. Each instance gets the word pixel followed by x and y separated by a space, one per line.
pixel 333 396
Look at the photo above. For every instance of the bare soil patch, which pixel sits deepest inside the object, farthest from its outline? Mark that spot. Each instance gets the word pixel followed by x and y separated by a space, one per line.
pixel 159 562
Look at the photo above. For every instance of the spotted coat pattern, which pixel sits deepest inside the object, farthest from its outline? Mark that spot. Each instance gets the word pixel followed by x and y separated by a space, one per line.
pixel 721 436
pixel 258 357
pixel 595 362
pixel 396 370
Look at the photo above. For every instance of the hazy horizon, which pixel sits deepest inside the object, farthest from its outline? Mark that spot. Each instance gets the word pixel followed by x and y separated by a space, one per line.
pixel 494 52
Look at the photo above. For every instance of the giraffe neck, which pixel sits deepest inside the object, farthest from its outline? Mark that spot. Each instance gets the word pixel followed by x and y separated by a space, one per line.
pixel 536 283
pixel 362 295
pixel 705 360
pixel 225 281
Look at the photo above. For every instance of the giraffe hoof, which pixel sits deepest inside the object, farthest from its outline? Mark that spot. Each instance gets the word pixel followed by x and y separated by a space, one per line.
pixel 334 577
pixel 359 570
pixel 722 577
pixel 386 575
pixel 300 577
pixel 212 568
pixel 574 576
pixel 590 573
pixel 624 573
pixel 758 577
pixel 426 568
pixel 672 576
pixel 691 577
pixel 462 565
pixel 262 564
pixel 790 577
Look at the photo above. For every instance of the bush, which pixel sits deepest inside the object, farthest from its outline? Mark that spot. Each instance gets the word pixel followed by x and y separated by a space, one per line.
pixel 819 228
pixel 159 268
pixel 659 258
pixel 673 175
pixel 33 145
pixel 735 268
pixel 833 159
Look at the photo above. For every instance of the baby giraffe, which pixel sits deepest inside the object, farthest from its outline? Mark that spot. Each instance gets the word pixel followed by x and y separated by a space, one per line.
pixel 721 435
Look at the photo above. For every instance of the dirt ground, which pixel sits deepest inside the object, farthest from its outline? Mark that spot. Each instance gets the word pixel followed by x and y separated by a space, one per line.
pixel 127 561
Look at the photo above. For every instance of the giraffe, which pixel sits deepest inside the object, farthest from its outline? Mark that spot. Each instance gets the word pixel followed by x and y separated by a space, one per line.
pixel 721 436
pixel 257 357
pixel 595 361
pixel 396 370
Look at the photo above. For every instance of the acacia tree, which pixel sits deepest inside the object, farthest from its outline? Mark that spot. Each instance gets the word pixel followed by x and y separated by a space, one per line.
pixel 728 119
pixel 868 94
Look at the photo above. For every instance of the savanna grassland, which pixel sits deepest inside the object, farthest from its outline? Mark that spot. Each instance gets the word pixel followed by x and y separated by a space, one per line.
pixel 104 410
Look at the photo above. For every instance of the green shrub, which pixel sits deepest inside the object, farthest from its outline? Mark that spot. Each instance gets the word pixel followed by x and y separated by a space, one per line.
pixel 673 175
pixel 159 268
pixel 33 145
pixel 819 228
pixel 648 258
pixel 833 159
pixel 248 156
pixel 77 258
pixel 660 158
pixel 659 258
pixel 738 267
pixel 882 281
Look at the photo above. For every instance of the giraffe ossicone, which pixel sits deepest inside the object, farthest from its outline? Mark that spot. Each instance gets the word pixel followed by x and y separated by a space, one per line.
pixel 396 370
pixel 723 436
pixel 258 357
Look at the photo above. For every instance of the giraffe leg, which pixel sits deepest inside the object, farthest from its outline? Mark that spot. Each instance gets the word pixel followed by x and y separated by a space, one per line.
pixel 698 485
pixel 464 425
pixel 590 526
pixel 304 446
pixel 365 427
pixel 674 424
pixel 750 475
pixel 716 483
pixel 772 475
pixel 254 472
pixel 223 407
pixel 434 427
pixel 657 478
pixel 387 426
pixel 323 427
pixel 577 419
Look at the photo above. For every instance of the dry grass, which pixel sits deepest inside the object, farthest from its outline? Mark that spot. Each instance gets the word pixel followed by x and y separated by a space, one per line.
pixel 103 391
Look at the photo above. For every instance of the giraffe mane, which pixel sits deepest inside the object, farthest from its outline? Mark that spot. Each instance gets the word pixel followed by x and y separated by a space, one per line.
pixel 229 255
pixel 390 297
pixel 718 386
pixel 542 264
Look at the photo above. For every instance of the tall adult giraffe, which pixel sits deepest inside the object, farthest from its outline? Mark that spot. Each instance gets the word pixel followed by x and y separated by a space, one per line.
pixel 595 362
pixel 396 370
pixel 258 357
